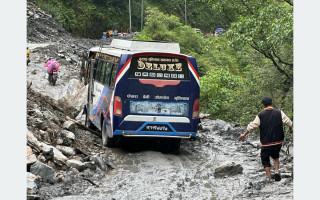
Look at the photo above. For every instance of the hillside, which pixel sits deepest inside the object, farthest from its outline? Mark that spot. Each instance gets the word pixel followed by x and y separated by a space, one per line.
pixel 89 18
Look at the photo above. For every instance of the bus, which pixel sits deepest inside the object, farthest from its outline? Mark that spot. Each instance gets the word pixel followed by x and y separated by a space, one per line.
pixel 142 89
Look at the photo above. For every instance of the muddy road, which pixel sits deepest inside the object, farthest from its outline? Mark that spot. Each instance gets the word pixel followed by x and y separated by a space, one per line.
pixel 139 169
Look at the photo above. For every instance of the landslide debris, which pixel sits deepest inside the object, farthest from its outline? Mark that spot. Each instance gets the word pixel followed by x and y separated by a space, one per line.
pixel 58 150
pixel 42 27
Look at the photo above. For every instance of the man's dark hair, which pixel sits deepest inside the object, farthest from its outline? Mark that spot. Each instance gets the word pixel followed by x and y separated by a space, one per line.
pixel 266 101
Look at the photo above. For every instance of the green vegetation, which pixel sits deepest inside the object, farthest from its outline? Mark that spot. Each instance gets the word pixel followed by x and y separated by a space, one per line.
pixel 254 58
pixel 89 18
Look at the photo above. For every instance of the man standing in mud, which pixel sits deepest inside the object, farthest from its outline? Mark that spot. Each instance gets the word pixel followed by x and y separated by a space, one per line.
pixel 270 121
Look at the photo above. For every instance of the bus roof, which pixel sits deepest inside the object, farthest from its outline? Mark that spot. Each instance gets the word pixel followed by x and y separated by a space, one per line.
pixel 118 47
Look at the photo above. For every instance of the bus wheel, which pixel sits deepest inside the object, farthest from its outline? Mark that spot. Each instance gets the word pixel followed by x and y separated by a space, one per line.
pixel 106 140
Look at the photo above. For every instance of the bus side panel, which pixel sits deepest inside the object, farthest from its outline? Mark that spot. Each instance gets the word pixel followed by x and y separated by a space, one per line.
pixel 124 58
pixel 195 90
pixel 102 106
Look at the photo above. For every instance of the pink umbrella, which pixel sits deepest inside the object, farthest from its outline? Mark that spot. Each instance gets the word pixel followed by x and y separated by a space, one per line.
pixel 52 64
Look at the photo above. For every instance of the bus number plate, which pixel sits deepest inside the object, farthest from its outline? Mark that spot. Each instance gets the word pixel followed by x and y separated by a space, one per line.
pixel 157 128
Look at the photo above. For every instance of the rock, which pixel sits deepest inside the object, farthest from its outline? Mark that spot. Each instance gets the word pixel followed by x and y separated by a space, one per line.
pixel 207 128
pixel 289 167
pixel 50 116
pixel 39 123
pixel 226 128
pixel 74 170
pixel 75 94
pixel 75 157
pixel 76 164
pixel 100 163
pixel 33 197
pixel 32 181
pixel 68 134
pixel 61 55
pixel 220 124
pixel 90 165
pixel 45 135
pixel 74 58
pixel 43 170
pixel 59 178
pixel 203 115
pixel 236 131
pixel 228 169
pixel 33 140
pixel 256 144
pixel 69 151
pixel 59 141
pixel 30 13
pixel 48 153
pixel 57 154
pixel 41 158
pixel 69 125
pixel 68 59
pixel 61 51
pixel 31 158
pixel 34 71
pixel 51 164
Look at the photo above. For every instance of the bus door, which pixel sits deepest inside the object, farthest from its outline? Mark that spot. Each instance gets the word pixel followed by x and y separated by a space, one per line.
pixel 102 85
pixel 91 69
pixel 97 92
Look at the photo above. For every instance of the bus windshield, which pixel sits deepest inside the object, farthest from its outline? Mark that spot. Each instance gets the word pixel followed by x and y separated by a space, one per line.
pixel 159 67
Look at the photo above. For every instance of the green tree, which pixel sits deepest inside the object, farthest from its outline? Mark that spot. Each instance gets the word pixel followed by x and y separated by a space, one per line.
pixel 216 89
pixel 267 27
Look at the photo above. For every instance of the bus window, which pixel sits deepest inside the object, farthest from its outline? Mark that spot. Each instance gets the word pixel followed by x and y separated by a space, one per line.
pixel 98 72
pixel 103 73
pixel 113 75
pixel 107 74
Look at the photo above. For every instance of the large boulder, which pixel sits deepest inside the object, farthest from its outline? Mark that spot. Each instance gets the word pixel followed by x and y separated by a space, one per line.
pixel 220 124
pixel 69 125
pixel 43 170
pixel 76 164
pixel 33 140
pixel 74 93
pixel 228 169
pixel 69 151
pixel 57 154
pixel 68 134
